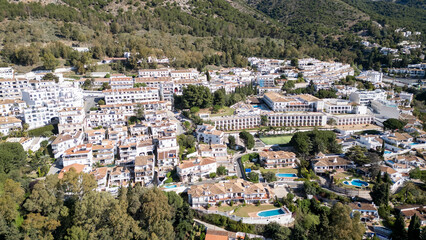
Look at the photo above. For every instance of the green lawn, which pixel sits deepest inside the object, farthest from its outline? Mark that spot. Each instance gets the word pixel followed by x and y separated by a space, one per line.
pixel 225 111
pixel 226 208
pixel 249 208
pixel 276 139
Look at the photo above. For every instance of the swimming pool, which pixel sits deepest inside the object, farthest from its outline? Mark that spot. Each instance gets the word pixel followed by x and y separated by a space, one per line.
pixel 388 152
pixel 414 143
pixel 289 175
pixel 262 107
pixel 390 161
pixel 270 213
pixel 356 182
pixel 170 186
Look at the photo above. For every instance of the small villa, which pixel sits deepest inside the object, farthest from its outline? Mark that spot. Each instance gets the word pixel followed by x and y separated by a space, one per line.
pixel 322 163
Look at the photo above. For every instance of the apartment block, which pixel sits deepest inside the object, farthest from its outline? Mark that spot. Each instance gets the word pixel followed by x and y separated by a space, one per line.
pixel 297 119
pixel 208 134
pixel 66 141
pixel 71 119
pixel 11 88
pixel 105 118
pixel 297 103
pixel 192 170
pixel 236 122
pixel 81 154
pixel 237 190
pixel 352 119
pixel 365 97
pixel 131 95
pixel 95 136
pixel 10 107
pixel 103 154
pixel 6 72
pixel 144 169
pixel 8 124
pixel 154 73
pixel 341 106
pixel 184 74
pixel 216 151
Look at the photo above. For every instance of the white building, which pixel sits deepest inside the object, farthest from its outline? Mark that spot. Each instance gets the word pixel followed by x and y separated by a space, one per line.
pixel 192 170
pixel 12 88
pixel 71 119
pixel 365 97
pixel 352 119
pixel 216 151
pixel 298 103
pixel 236 122
pixel 208 134
pixel 8 124
pixel 278 159
pixel 6 72
pixel 184 74
pixel 341 106
pixel 66 141
pixel 131 95
pixel 81 154
pixel 10 107
pixel 144 169
pixel 295 119
pixel 371 76
pixel 154 73
pixel 37 117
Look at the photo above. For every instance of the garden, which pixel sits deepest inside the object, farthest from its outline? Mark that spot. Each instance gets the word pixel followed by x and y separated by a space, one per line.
pixel 276 139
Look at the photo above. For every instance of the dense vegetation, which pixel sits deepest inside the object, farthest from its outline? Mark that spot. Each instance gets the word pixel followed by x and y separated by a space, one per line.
pixel 200 33
pixel 69 208
pixel 313 142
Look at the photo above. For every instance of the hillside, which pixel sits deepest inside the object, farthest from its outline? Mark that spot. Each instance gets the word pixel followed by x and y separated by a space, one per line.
pixel 196 33
pixel 306 13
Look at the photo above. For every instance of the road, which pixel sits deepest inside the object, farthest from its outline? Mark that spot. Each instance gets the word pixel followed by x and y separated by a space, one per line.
pixel 180 129
pixel 209 226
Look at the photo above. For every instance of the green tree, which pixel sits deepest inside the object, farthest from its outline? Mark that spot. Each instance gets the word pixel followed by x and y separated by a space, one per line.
pixel 49 61
pixel 139 111
pixel 398 229
pixel 219 97
pixel 232 142
pixel 275 231
pixel 357 155
pixel 264 120
pixel 221 171
pixel 380 194
pixel 12 156
pixel 269 176
pixel 253 177
pixel 101 102
pixel 248 139
pixel 394 124
pixel 414 228
pixel 196 96
pixel 288 86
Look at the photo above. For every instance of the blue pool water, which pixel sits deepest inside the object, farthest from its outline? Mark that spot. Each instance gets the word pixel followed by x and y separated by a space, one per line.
pixel 286 175
pixel 388 152
pixel 171 186
pixel 262 107
pixel 413 143
pixel 391 162
pixel 270 213
pixel 356 182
